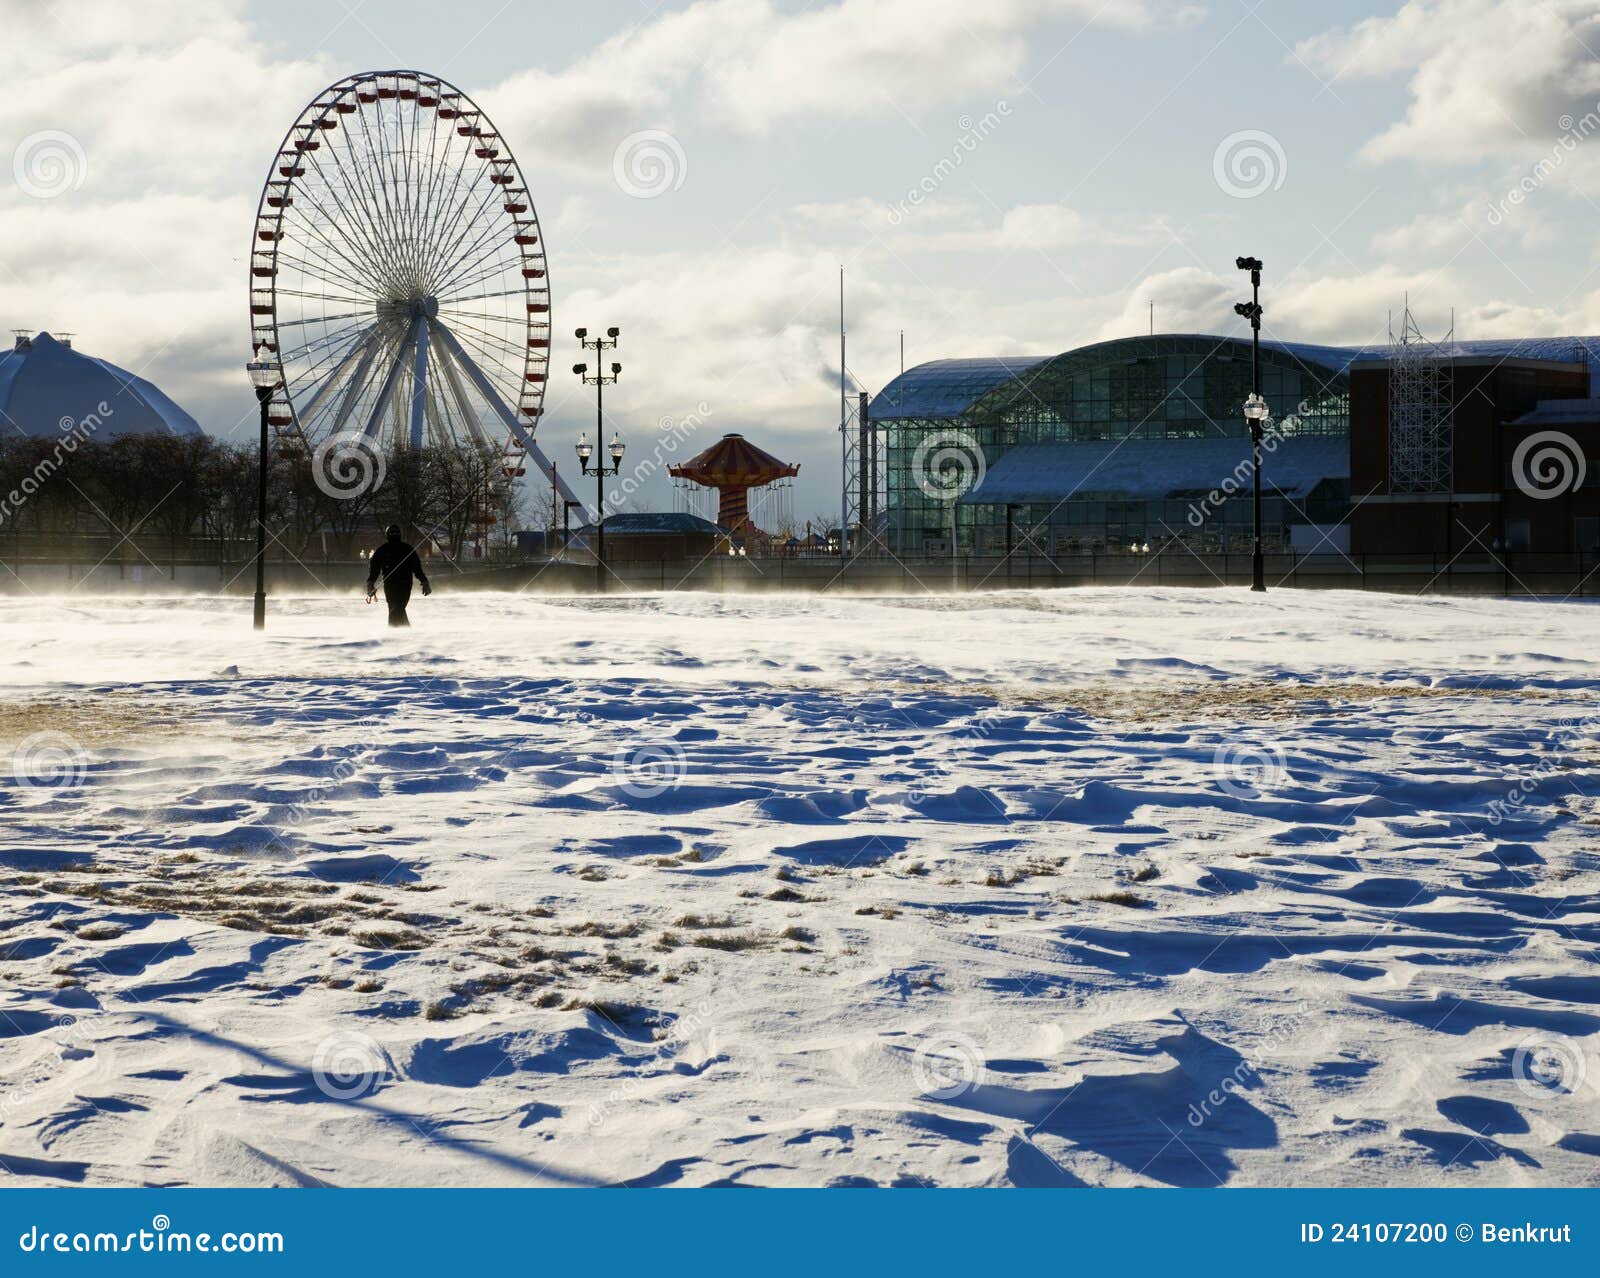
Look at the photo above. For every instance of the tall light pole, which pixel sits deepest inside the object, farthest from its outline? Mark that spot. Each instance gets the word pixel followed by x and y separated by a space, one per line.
pixel 599 380
pixel 1255 411
pixel 266 375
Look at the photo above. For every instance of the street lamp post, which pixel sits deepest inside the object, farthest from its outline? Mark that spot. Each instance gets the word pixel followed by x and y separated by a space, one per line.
pixel 1255 412
pixel 599 380
pixel 266 376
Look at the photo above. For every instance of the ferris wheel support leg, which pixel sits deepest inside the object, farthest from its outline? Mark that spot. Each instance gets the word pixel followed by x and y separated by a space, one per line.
pixel 353 391
pixel 487 390
pixel 419 383
pixel 372 430
pixel 459 396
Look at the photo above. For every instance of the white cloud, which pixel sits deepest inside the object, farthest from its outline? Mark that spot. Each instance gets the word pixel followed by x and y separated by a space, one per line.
pixel 1485 77
pixel 746 65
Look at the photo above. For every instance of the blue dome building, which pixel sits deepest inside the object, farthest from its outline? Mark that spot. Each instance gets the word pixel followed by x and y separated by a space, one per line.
pixel 47 387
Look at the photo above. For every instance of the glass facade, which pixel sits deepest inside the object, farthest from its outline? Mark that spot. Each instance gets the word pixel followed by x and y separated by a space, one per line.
pixel 1147 388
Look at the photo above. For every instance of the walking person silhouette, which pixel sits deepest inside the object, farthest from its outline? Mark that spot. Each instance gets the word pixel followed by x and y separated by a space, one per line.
pixel 396 563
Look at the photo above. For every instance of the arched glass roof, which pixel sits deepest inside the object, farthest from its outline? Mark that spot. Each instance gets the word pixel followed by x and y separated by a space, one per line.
pixel 950 387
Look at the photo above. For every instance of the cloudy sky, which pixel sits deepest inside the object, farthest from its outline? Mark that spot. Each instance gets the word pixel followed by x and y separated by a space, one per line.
pixel 1011 176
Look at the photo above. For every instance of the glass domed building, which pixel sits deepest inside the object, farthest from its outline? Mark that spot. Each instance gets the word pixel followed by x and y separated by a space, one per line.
pixel 1142 440
pixel 1112 444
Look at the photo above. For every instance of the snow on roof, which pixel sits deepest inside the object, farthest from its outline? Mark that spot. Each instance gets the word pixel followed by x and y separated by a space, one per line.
pixel 46 386
pixel 1151 468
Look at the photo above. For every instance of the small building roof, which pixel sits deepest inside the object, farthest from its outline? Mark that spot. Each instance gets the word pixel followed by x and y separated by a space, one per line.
pixel 44 383
pixel 647 523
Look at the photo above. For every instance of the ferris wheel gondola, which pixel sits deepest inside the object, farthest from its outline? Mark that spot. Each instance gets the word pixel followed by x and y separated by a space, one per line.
pixel 397 273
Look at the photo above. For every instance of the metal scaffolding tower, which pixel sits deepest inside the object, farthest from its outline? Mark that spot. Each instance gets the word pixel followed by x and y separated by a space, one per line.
pixel 1420 409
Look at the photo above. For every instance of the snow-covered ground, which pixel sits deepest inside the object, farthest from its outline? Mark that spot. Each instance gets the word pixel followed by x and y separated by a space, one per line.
pixel 1088 886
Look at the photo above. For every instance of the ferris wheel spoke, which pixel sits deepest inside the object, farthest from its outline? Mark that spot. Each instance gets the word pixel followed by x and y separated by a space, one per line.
pixel 496 359
pixel 360 209
pixel 480 297
pixel 355 389
pixel 317 271
pixel 322 297
pixel 316 351
pixel 498 272
pixel 376 172
pixel 356 256
pixel 456 218
pixel 322 319
pixel 355 213
pixel 490 237
pixel 474 218
pixel 334 378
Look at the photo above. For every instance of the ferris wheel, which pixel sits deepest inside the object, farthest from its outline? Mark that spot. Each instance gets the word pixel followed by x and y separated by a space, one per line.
pixel 397 274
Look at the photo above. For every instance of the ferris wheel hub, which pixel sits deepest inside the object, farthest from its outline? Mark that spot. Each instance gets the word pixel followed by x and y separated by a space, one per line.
pixel 404 310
